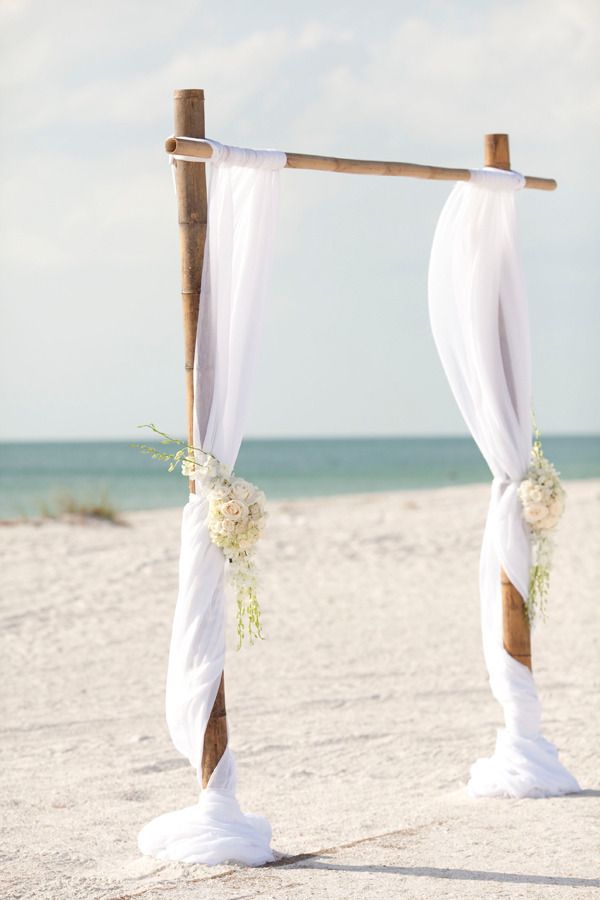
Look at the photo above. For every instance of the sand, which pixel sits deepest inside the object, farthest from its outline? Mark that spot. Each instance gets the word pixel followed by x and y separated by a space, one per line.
pixel 354 723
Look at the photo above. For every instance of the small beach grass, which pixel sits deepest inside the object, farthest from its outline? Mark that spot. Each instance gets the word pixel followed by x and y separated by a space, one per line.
pixel 67 506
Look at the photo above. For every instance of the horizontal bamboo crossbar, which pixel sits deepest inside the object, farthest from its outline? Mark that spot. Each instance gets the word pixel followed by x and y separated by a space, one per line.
pixel 183 147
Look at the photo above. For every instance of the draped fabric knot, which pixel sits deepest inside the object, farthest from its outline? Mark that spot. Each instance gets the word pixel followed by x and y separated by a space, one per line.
pixel 497 179
pixel 504 481
pixel 506 490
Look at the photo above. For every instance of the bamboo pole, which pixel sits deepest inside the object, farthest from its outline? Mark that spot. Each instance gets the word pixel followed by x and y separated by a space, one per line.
pixel 190 181
pixel 515 626
pixel 181 146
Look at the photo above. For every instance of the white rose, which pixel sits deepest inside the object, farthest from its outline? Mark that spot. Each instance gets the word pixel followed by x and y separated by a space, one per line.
pixel 535 512
pixel 549 523
pixel 557 507
pixel 235 510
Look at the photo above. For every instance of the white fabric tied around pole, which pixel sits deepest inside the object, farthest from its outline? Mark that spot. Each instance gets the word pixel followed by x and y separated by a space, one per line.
pixel 479 320
pixel 242 207
pixel 497 179
pixel 245 157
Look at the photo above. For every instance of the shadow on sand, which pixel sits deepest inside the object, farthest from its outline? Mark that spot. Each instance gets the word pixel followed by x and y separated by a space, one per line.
pixel 454 874
pixel 318 861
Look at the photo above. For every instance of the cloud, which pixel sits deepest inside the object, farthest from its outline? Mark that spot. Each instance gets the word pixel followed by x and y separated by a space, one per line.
pixel 530 67
pixel 424 87
pixel 234 74
pixel 87 200
pixel 98 173
pixel 94 212
pixel 314 35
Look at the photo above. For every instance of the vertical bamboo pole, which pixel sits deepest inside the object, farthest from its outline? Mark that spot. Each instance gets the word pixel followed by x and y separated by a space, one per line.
pixel 190 180
pixel 496 151
pixel 515 627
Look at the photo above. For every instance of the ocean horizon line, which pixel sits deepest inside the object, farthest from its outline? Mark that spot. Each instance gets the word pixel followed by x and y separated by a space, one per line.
pixel 283 438
pixel 34 473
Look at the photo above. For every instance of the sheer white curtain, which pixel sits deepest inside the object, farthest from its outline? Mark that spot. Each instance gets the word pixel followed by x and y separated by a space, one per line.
pixel 479 319
pixel 242 206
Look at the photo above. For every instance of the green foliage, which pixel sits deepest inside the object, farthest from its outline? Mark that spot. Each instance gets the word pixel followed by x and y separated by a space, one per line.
pixel 248 608
pixel 174 459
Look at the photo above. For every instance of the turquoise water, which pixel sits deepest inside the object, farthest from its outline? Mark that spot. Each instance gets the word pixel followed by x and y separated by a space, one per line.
pixel 32 474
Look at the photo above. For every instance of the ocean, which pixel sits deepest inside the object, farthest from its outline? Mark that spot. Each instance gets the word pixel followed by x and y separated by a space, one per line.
pixel 34 475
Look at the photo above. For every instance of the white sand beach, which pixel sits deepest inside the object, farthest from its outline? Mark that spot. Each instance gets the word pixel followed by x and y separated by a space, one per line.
pixel 354 723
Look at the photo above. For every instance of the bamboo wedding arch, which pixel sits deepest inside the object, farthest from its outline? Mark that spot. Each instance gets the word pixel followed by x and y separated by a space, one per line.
pixel 190 183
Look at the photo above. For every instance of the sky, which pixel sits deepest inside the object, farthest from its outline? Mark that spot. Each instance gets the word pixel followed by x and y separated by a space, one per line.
pixel 90 323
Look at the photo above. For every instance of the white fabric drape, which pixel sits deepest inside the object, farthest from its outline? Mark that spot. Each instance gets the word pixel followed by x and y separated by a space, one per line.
pixel 242 205
pixel 479 319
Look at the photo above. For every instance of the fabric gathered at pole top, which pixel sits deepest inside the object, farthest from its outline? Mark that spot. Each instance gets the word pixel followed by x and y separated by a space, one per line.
pixel 244 157
pixel 497 179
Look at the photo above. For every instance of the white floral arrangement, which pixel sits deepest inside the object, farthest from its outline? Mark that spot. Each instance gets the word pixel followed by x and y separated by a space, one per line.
pixel 236 519
pixel 543 499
